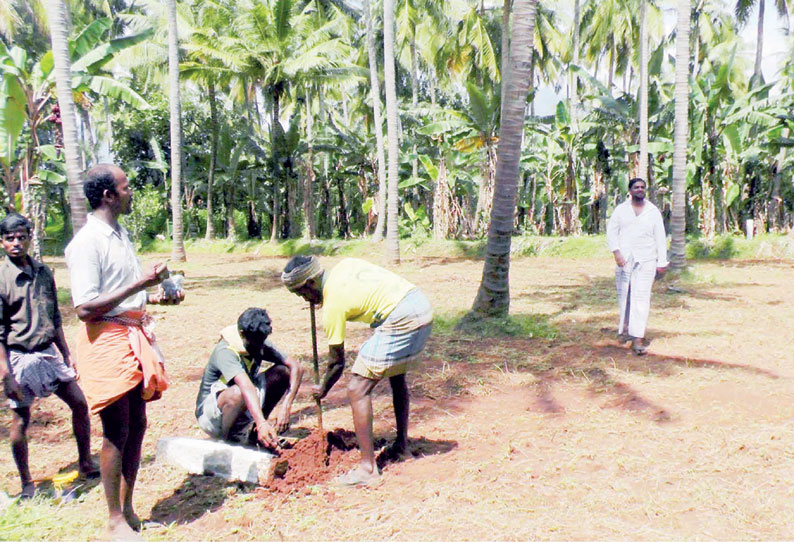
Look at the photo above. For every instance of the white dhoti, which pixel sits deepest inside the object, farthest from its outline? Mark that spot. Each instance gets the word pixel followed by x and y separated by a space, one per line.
pixel 634 281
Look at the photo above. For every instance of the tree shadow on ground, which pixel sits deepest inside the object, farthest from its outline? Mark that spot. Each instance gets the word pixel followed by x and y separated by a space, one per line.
pixel 578 349
pixel 259 281
pixel 198 495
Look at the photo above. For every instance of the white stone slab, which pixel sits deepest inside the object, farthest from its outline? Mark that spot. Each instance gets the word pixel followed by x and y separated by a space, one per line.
pixel 214 457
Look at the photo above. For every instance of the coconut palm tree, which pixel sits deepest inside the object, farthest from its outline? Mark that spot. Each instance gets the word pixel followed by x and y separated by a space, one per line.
pixel 178 246
pixel 678 221
pixel 63 82
pixel 743 9
pixel 493 297
pixel 392 238
pixel 643 164
pixel 374 92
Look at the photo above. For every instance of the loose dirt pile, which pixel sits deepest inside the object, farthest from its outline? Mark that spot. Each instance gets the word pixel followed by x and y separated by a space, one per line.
pixel 314 460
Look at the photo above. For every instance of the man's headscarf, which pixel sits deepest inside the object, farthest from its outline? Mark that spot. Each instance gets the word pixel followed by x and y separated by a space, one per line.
pixel 300 275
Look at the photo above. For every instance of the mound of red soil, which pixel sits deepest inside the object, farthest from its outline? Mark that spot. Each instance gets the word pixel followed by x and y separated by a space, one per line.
pixel 315 460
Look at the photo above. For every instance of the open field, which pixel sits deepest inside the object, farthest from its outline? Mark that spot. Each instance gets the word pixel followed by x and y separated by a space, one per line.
pixel 550 430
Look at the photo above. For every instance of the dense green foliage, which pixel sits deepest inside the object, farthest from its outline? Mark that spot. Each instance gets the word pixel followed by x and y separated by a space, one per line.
pixel 276 104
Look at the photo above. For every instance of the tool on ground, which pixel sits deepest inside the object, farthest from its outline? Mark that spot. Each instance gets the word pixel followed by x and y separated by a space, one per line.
pixel 316 370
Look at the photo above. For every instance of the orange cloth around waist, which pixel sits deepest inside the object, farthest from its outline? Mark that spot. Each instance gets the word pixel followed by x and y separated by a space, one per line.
pixel 113 358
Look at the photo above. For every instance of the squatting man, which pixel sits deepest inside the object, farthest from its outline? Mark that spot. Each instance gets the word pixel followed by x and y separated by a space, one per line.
pixel 234 398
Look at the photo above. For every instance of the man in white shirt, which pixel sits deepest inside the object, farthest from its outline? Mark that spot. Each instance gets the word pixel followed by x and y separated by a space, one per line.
pixel 118 361
pixel 635 234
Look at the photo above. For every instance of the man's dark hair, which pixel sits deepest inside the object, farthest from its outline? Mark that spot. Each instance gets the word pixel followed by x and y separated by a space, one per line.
pixel 13 222
pixel 254 324
pixel 98 179
pixel 636 180
pixel 297 261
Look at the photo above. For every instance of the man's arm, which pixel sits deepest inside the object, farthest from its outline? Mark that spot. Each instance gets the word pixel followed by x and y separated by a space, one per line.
pixel 613 237
pixel 60 342
pixel 264 431
pixel 9 382
pixel 104 303
pixel 336 366
pixel 295 376
pixel 660 239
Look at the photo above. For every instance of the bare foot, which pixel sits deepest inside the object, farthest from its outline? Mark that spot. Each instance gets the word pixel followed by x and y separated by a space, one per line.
pixel 89 470
pixel 28 491
pixel 119 530
pixel 133 521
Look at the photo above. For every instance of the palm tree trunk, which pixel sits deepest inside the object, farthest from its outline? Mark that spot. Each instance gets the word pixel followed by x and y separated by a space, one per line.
pixel 758 77
pixel 643 169
pixel 310 231
pixel 493 297
pixel 63 83
pixel 210 231
pixel 178 247
pixel 392 235
pixel 503 68
pixel 575 61
pixel 275 138
pixel 108 125
pixel 681 134
pixel 375 94
pixel 88 133
pixel 442 223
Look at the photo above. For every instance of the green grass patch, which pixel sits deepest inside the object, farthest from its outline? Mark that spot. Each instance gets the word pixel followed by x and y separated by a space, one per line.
pixel 64 296
pixel 723 247
pixel 583 246
pixel 767 246
pixel 520 325
pixel 43 518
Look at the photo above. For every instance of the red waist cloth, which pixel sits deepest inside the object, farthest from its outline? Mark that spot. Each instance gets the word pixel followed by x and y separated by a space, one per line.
pixel 116 354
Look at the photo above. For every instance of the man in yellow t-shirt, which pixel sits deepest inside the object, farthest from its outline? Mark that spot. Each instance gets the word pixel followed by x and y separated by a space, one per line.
pixel 358 291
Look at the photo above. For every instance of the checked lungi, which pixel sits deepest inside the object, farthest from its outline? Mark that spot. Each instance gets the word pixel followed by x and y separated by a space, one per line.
pixel 38 373
pixel 400 337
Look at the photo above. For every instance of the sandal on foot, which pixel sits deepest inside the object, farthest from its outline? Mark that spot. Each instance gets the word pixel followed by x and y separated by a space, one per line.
pixel 358 478
pixel 638 347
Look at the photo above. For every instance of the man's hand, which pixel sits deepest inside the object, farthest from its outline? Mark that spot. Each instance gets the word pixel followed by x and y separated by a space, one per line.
pixel 266 435
pixel 282 422
pixel 660 271
pixel 155 275
pixel 12 389
pixel 619 259
pixel 159 299
pixel 317 391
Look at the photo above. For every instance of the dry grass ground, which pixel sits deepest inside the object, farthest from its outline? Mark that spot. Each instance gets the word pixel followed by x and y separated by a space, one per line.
pixel 553 431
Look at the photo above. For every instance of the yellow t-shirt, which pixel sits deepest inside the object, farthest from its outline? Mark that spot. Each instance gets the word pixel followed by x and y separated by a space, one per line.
pixel 358 291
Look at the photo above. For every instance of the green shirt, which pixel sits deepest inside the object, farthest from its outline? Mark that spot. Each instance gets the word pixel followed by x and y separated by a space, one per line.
pixel 226 362
pixel 29 314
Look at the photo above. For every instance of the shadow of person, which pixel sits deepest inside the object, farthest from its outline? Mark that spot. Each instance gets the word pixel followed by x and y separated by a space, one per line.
pixel 416 449
pixel 196 496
